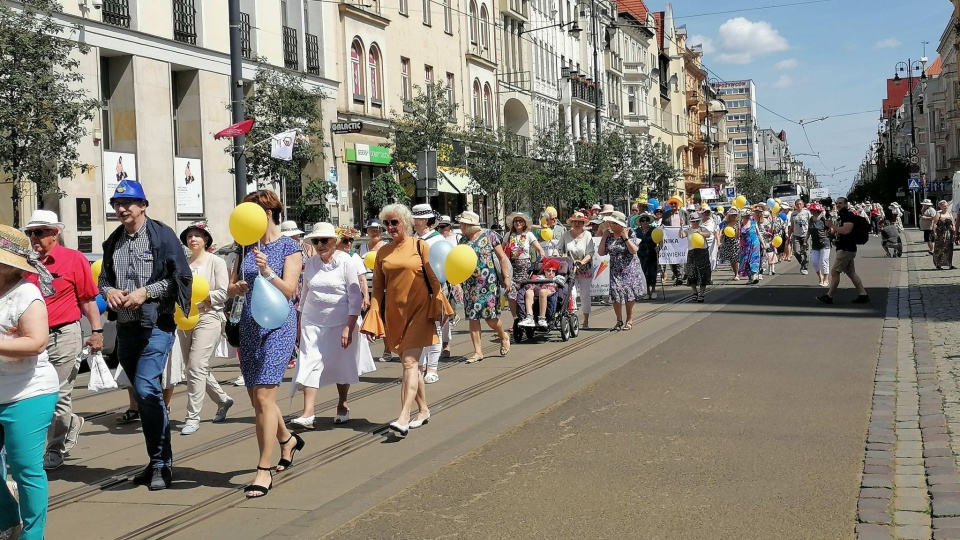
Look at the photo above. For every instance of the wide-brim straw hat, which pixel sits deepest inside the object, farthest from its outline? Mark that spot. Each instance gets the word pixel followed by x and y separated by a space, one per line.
pixel 44 219
pixel 516 215
pixel 468 218
pixel 322 230
pixel 578 216
pixel 9 235
pixel 616 217
pixel 290 228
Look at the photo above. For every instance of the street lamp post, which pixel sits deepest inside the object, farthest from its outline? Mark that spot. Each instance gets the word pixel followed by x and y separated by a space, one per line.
pixel 910 67
pixel 236 97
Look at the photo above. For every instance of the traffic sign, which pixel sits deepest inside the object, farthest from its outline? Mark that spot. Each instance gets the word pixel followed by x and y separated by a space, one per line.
pixel 913 184
pixel 914 151
pixel 914 159
pixel 731 192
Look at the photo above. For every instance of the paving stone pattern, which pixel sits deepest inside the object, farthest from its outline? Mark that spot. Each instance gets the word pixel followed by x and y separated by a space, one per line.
pixel 910 487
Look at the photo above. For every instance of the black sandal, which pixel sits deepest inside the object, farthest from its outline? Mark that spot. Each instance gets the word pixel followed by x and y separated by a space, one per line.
pixel 253 488
pixel 129 416
pixel 287 463
pixel 618 326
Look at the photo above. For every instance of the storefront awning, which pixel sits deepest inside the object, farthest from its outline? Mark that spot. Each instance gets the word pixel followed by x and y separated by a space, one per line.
pixel 450 181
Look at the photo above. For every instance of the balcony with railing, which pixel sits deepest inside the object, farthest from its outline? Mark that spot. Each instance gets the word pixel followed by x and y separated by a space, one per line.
pixel 518 144
pixel 635 71
pixel 585 91
pixel 185 21
pixel 313 54
pixel 291 57
pixel 117 12
pixel 246 43
pixel 613 112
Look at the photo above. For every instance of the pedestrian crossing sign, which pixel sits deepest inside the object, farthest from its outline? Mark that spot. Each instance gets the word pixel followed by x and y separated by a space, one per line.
pixel 914 184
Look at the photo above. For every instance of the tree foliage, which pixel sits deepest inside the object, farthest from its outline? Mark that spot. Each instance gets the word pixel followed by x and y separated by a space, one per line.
pixel 754 184
pixel 281 101
pixel 384 190
pixel 428 121
pixel 42 107
pixel 885 185
pixel 656 171
pixel 497 162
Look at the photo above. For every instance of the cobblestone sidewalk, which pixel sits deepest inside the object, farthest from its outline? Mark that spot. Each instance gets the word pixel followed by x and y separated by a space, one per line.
pixel 911 487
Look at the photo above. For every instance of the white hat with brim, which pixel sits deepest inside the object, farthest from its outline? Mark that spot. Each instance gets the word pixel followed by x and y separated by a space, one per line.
pixel 608 210
pixel 290 228
pixel 44 219
pixel 617 218
pixel 468 218
pixel 322 230
pixel 9 235
pixel 926 202
pixel 423 211
pixel 516 215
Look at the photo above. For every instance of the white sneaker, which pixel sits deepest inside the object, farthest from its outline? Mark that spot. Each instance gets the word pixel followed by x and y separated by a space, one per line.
pixel 190 428
pixel 804 272
pixel 304 421
pixel 653 296
pixel 239 381
pixel 542 322
pixel 527 322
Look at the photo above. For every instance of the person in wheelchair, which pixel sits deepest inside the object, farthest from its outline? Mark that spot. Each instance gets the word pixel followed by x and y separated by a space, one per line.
pixel 544 289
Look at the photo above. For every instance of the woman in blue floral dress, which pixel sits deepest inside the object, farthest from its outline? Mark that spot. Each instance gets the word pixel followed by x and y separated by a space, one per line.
pixel 264 353
pixel 482 290
pixel 750 248
pixel 627 283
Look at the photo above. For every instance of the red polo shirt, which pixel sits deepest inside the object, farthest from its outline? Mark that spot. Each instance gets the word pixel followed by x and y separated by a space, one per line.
pixel 72 281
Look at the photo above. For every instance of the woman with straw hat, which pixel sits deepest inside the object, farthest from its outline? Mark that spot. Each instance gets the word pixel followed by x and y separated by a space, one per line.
pixel 28 384
pixel 578 244
pixel 519 244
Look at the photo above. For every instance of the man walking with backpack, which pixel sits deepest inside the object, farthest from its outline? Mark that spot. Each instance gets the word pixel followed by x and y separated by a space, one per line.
pixel 850 230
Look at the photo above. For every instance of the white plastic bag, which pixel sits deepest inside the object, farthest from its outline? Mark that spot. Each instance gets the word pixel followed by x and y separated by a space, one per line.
pixel 100 377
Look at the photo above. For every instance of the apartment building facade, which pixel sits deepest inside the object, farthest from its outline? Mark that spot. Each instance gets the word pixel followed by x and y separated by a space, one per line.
pixel 160 69
pixel 741 102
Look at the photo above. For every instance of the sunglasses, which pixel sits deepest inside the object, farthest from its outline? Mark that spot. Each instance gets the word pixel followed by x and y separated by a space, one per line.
pixel 391 222
pixel 317 241
pixel 444 226
pixel 39 233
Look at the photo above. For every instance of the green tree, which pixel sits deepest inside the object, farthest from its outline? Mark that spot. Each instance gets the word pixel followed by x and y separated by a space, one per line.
pixel 754 184
pixel 885 185
pixel 428 121
pixel 565 181
pixel 656 171
pixel 384 190
pixel 281 101
pixel 498 163
pixel 42 108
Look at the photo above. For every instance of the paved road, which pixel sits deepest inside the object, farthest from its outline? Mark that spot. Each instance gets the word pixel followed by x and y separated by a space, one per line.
pixel 744 417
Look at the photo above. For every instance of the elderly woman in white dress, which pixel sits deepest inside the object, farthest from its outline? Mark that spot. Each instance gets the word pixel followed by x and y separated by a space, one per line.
pixel 330 349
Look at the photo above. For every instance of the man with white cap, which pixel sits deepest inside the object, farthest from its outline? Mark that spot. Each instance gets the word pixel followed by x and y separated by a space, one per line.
pixel 424 221
pixel 75 296
pixel 927 213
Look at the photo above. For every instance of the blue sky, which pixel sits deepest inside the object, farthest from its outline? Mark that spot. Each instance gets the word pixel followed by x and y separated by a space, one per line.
pixel 818 59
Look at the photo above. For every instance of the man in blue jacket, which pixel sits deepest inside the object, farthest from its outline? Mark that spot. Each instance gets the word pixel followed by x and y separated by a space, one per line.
pixel 145 274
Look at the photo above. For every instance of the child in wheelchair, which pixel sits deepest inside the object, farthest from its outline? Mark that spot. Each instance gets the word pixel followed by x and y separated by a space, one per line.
pixel 543 289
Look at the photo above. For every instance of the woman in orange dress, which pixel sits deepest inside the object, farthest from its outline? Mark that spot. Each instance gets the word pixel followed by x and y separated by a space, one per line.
pixel 405 308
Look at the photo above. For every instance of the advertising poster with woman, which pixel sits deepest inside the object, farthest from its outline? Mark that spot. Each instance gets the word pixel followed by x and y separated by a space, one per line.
pixel 188 182
pixel 116 167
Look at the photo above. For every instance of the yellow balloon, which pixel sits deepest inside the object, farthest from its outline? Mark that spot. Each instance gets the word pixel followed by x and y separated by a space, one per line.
pixel 461 263
pixel 248 223
pixel 777 241
pixel 95 269
pixel 729 232
pixel 184 322
pixel 777 199
pixel 370 259
pixel 719 209
pixel 657 235
pixel 776 208
pixel 201 289
pixel 696 240
pixel 740 201
pixel 546 234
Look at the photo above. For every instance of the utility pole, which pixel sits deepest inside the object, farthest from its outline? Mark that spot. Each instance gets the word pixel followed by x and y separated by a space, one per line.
pixel 236 93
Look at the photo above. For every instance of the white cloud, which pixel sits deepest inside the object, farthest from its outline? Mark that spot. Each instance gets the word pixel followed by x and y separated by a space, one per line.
pixel 740 41
pixel 888 43
pixel 707 43
pixel 785 81
pixel 789 63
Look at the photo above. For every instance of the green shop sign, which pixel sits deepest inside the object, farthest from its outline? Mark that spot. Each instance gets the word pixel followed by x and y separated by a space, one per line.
pixel 364 153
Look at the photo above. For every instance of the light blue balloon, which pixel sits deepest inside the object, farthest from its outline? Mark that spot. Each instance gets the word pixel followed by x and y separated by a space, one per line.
pixel 438 258
pixel 771 203
pixel 101 304
pixel 270 308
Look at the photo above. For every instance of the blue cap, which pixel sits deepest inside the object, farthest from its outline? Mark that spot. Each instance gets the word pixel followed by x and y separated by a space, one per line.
pixel 129 189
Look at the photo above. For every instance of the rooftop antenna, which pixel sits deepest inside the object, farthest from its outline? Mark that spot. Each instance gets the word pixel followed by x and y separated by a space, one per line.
pixel 925 43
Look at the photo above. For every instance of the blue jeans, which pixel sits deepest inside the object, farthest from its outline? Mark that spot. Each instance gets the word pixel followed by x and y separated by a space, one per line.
pixel 23 433
pixel 143 354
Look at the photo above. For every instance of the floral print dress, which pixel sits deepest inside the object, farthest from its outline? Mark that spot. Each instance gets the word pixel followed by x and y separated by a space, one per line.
pixel 481 291
pixel 627 283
